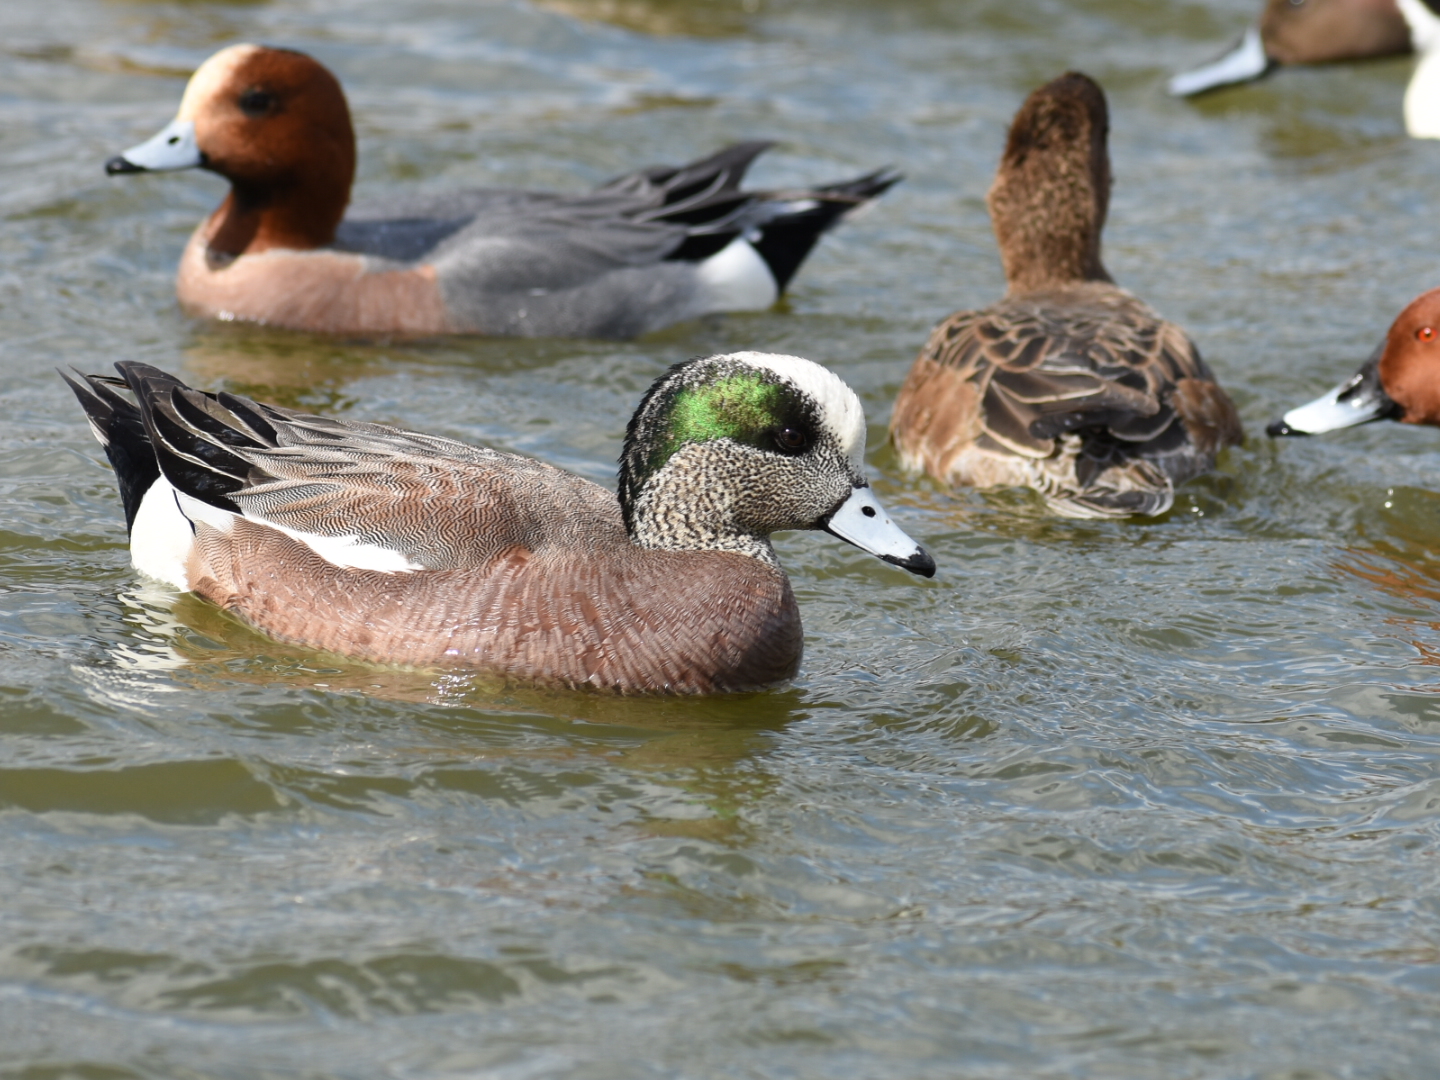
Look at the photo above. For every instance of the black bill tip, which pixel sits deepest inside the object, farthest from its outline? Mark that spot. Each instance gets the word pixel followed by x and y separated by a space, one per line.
pixel 120 164
pixel 1279 428
pixel 919 563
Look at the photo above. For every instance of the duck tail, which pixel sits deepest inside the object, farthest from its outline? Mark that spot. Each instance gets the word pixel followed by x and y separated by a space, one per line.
pixel 196 440
pixel 1133 486
pixel 118 426
pixel 785 226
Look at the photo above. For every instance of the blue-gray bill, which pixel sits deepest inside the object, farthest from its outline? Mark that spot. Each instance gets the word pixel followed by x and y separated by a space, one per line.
pixel 1358 400
pixel 1246 61
pixel 173 147
pixel 862 521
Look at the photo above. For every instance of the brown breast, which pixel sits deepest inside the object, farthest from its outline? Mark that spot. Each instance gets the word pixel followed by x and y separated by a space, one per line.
pixel 616 618
pixel 322 291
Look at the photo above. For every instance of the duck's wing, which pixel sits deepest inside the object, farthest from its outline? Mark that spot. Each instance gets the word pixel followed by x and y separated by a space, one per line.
pixel 504 241
pixel 1018 379
pixel 360 495
pixel 705 197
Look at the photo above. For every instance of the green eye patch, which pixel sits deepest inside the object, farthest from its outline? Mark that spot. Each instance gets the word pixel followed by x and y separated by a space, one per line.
pixel 701 405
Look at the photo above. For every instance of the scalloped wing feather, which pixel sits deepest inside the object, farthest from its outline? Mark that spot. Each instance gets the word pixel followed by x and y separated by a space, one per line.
pixel 1099 403
pixel 433 502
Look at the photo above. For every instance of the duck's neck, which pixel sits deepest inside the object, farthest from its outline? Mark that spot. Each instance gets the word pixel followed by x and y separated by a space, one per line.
pixel 689 505
pixel 1052 240
pixel 298 215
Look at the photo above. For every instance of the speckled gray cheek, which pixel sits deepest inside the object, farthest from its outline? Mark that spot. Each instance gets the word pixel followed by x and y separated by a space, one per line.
pixel 723 496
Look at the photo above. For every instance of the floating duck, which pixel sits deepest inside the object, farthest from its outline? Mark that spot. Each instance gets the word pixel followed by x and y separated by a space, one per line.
pixel 654 247
pixel 1070 385
pixel 398 547
pixel 1400 381
pixel 1303 32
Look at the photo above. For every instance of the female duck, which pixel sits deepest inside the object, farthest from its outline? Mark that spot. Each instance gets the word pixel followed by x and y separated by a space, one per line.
pixel 399 547
pixel 1400 381
pixel 1069 385
pixel 652 248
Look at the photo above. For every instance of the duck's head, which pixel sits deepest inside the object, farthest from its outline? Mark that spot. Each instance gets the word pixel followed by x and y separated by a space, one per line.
pixel 1052 190
pixel 1400 381
pixel 725 450
pixel 275 124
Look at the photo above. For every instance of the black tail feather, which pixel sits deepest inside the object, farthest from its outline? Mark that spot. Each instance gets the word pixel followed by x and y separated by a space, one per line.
pixel 705 196
pixel 190 436
pixel 118 424
pixel 682 188
pixel 789 236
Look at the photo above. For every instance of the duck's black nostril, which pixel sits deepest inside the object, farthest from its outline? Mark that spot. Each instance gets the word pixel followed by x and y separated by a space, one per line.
pixel 1279 429
pixel 173 139
pixel 868 511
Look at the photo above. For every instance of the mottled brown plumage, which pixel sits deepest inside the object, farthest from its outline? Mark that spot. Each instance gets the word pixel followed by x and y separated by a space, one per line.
pixel 1070 384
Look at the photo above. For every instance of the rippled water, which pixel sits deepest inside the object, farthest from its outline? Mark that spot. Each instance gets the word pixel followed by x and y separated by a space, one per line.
pixel 1102 800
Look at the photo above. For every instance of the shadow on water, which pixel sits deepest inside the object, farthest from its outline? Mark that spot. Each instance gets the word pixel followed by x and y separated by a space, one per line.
pixel 702 746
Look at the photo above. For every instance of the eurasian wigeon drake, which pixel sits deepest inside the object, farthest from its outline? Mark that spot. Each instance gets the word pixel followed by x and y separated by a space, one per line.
pixel 398 547
pixel 1303 32
pixel 648 249
pixel 1069 385
pixel 1400 381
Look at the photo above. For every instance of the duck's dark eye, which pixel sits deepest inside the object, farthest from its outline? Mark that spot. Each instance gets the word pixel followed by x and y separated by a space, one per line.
pixel 256 102
pixel 791 440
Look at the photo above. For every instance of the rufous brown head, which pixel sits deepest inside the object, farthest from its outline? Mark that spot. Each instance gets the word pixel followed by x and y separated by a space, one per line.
pixel 273 122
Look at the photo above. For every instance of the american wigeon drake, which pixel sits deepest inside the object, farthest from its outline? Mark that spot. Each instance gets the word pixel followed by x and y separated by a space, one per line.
pixel 1303 32
pixel 648 249
pixel 398 547
pixel 1422 95
pixel 1069 385
pixel 1400 381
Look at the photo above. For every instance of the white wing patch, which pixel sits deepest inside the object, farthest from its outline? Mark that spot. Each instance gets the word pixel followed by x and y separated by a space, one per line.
pixel 350 552
pixel 347 552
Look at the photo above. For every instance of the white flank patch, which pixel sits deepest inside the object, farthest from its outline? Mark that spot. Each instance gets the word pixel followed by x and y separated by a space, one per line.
pixel 840 410
pixel 161 538
pixel 1422 96
pixel 736 278
pixel 212 78
pixel 347 552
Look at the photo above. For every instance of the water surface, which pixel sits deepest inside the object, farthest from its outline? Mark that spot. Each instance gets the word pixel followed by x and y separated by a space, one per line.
pixel 1123 799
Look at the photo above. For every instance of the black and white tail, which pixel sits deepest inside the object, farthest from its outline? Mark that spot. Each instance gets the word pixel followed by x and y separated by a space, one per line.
pixel 780 226
pixel 170 451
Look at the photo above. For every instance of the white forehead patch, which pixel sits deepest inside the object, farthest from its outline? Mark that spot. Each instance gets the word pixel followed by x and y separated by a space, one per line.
pixel 211 78
pixel 840 411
